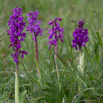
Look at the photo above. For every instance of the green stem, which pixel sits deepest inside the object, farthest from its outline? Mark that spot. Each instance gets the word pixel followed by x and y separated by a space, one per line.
pixel 56 60
pixel 79 53
pixel 79 69
pixel 16 85
pixel 37 59
pixel 57 66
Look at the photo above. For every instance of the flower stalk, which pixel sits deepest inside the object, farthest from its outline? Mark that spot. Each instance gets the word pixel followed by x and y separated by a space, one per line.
pixel 56 59
pixel 36 49
pixel 80 69
pixel 79 53
pixel 16 85
pixel 37 58
pixel 57 65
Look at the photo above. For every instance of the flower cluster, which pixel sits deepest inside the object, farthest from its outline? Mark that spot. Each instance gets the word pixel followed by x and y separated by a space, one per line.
pixel 56 32
pixel 80 36
pixel 16 33
pixel 33 26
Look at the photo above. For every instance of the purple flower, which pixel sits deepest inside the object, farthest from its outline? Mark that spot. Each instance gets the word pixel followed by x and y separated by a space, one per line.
pixel 56 32
pixel 80 36
pixel 33 26
pixel 16 33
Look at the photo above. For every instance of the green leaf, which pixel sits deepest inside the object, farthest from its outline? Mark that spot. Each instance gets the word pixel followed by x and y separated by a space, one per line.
pixel 88 89
pixel 22 96
pixel 63 100
pixel 96 47
pixel 66 65
pixel 1 101
pixel 97 58
pixel 88 55
pixel 99 38
pixel 81 70
pixel 81 64
pixel 40 98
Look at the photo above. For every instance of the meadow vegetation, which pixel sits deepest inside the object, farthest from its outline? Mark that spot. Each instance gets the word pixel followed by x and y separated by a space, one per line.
pixel 48 89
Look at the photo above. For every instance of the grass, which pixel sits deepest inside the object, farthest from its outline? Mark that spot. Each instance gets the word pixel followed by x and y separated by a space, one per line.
pixel 47 89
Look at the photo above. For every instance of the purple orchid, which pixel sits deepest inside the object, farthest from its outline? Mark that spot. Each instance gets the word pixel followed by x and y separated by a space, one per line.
pixel 16 33
pixel 80 36
pixel 34 28
pixel 55 33
pixel 34 24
